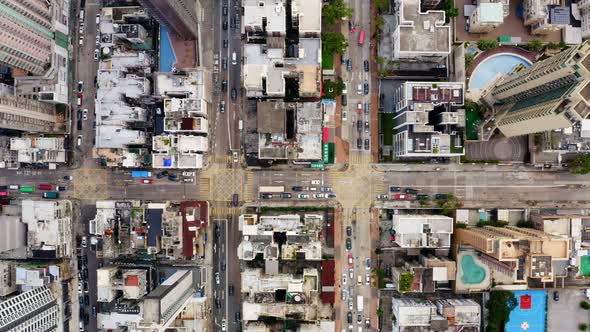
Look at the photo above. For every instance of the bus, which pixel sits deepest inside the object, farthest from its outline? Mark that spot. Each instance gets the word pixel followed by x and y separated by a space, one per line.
pixel 27 189
pixel 362 37
pixel 141 174
pixel 271 189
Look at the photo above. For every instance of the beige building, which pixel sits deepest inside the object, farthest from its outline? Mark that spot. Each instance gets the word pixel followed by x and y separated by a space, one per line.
pixel 545 16
pixel 24 114
pixel 552 94
pixel 486 17
pixel 530 254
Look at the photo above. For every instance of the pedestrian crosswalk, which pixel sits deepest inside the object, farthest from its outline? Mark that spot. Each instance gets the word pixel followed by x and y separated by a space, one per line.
pixel 204 188
pixel 249 187
pixel 222 211
pixel 359 158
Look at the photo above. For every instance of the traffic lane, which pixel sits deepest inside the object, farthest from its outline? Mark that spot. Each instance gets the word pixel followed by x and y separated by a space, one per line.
pixel 88 212
pixel 174 191
pixel 233 265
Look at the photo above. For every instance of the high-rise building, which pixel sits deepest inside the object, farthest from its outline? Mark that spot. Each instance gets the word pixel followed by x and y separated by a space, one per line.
pixel 20 113
pixel 180 16
pixel 35 310
pixel 167 300
pixel 552 94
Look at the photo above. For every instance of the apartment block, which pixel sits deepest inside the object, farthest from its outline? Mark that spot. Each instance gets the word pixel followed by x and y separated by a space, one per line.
pixel 422 231
pixel 486 17
pixel 34 310
pixel 551 94
pixel 418 35
pixel 167 300
pixel 429 273
pixel 23 114
pixel 180 16
pixel 428 122
pixel 584 9
pixel 131 283
pixel 39 150
pixel 49 228
pixel 412 314
pixel 545 16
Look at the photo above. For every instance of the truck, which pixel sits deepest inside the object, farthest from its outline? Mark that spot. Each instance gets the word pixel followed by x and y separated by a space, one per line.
pixel 359 303
pixel 51 195
pixel 141 174
pixel 271 189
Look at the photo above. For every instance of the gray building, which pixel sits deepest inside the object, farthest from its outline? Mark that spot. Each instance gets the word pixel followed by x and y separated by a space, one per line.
pixel 180 16
pixel 35 311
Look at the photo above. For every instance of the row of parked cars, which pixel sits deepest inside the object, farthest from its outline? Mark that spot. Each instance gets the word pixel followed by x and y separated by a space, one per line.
pixel 395 193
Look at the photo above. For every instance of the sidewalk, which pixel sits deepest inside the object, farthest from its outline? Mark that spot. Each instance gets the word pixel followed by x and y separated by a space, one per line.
pixel 455 168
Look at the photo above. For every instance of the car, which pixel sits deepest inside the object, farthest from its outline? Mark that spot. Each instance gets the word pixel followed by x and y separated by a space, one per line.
pixel 188 180
pixel 81 40
pixel 441 196
pixel 344 100
pixel 235 156
pixel 366 126
pixel 173 177
pixel 366 65
pixel 68 177
pixel 343 278
pixel 348 231
pixel 391 231
pixel 367 144
pixel 393 189
pixel 188 173
pixel 367 107
pixel 312 188
pixel 349 65
pixel 330 195
pixel 343 115
pixel 224 25
pixel 392 238
pixel 96 54
pixel 224 63
pixel 85 273
pixel 368 264
pixel 303 196
pixel 93 311
pixel 225 43
pixel 359 143
pixel 217 278
pixel 217 303
pixel 382 196
pixel 79 140
pixel 359 319
pixel 61 188
pixel 234 94
pixel 367 279
pixel 44 187
pixel 14 187
pixel 359 89
pixel 367 323
pixel 343 295
pixel 266 196
pixel 224 85
pixel 222 106
pixel 223 325
pixel 351 27
pixel 85 114
pixel 400 196
pixel 297 188
pixel 316 182
pixel 359 107
pixel 349 317
pixel 230 290
pixel 223 266
pixel 224 10
pixel 238 317
pixel 97 39
pixel 86 300
pixel 80 287
pixel 162 174
pixel 217 231
pixel 366 88
pixel 318 195
pixel 359 126
pixel 286 195
pixel 351 273
pixel 348 244
pixel 422 196
pixel 80 86
pixel 556 296
pixel 350 260
pixel 411 191
pixel 350 304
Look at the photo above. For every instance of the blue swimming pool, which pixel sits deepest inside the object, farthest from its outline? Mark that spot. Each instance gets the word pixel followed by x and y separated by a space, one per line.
pixel 487 70
pixel 167 56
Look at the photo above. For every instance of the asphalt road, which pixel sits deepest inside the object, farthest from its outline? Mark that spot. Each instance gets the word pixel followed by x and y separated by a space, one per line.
pixel 220 290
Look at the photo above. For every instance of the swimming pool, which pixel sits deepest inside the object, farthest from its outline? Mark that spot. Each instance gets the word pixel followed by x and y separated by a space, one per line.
pixel 471 272
pixel 490 67
pixel 167 56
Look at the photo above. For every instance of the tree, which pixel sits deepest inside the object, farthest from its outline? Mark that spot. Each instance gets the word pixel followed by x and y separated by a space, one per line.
pixel 583 327
pixel 379 22
pixel 450 11
pixel 469 60
pixel 335 11
pixel 378 251
pixel 499 306
pixel 535 45
pixel 379 312
pixel 585 305
pixel 333 42
pixel 381 5
pixel 379 60
pixel 487 44
pixel 448 204
pixel 405 281
pixel 580 164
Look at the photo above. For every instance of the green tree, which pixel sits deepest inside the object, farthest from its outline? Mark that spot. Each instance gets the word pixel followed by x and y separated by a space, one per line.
pixel 379 60
pixel 562 44
pixel 381 5
pixel 580 164
pixel 469 60
pixel 499 306
pixel 585 305
pixel 379 312
pixel 405 281
pixel 379 22
pixel 333 42
pixel 378 251
pixel 450 10
pixel 448 204
pixel 583 327
pixel 535 45
pixel 487 44
pixel 335 11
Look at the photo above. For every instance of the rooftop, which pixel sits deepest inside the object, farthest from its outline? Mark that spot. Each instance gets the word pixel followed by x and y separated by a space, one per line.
pixel 309 14
pixel 421 33
pixel 268 13
pixel 423 231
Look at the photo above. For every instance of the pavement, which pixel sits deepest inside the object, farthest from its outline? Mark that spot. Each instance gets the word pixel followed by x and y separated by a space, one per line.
pixel 567 306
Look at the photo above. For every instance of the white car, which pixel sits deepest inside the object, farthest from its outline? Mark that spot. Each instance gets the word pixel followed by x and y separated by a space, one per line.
pixel 350 305
pixel 85 114
pixel 188 173
pixel 315 181
pixel 318 195
pixel 359 89
pixel 343 115
pixel 188 180
pixel 79 287
pixel 217 278
pixel 96 54
pixel 344 278
pixel 223 325
pixel 235 156
pixel 81 41
pixel 303 196
pixel 84 242
pixel 351 273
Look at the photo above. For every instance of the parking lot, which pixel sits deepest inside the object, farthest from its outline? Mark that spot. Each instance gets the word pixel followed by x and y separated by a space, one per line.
pixel 566 314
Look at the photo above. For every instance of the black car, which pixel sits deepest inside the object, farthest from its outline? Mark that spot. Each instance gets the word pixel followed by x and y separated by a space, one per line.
pixel 266 196
pixel 225 43
pixel 344 100
pixel 359 319
pixel 222 265
pixel 366 88
pixel 411 191
pixel 366 64
pixel 224 63
pixel 173 177
pixel 79 114
pixel 230 290
pixel 349 65
pixel 297 188
pixel 222 106
pixel 367 144
pixel 234 94
pixel 217 231
pixel 555 296
pixel 85 274
pixel 367 108
pixel 238 316
pixel 235 200
pixel 441 196
pixel 79 124
pixel 359 125
pixel 224 85
pixel 359 143
pixel 86 300
pixel 349 317
pixel 422 196
pixel 217 303
pixel 348 244
pixel 162 174
pixel 93 311
pixel 286 195
pixel 224 25
pixel 348 231
pixel 395 189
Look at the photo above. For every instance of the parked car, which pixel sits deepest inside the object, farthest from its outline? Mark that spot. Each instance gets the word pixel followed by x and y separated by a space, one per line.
pixel 366 126
pixel 400 197
pixel 318 195
pixel 326 189
pixel 266 196
pixel 366 88
pixel 366 65
pixel 441 196
pixel 556 296
pixel 303 196
pixel 411 191
pixel 348 231
pixel 368 264
pixel 330 195
pixel 61 188
pixel 344 279
pixel 359 107
pixel 147 181
pixel 359 143
pixel 351 27
pixel 234 94
pixel 162 174
pixel 44 187
pixel 217 278
pixel 222 106
pixel 395 189
pixel 348 244
pixel 359 126
pixel 382 196
pixel 173 177
pixel 344 100
pixel 350 260
pixel 367 144
pixel 297 188
pixel 349 65
pixel 343 295
pixel 349 317
pixel 286 195
pixel 422 196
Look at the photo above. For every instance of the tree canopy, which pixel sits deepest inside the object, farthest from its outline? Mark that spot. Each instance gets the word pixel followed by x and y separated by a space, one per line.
pixel 333 42
pixel 581 164
pixel 335 11
pixel 499 306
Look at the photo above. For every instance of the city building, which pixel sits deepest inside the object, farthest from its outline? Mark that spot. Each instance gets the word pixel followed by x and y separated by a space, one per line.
pixel 180 16
pixel 19 113
pixel 29 150
pixel 301 141
pixel 49 228
pixel 545 16
pixel 167 300
pixel 584 10
pixel 422 231
pixel 418 35
pixel 427 122
pixel 131 283
pixel 411 314
pixel 7 278
pixel 551 94
pixel 264 18
pixel 34 310
pixel 486 17
pixel 514 255
pixel 13 235
pixel 428 274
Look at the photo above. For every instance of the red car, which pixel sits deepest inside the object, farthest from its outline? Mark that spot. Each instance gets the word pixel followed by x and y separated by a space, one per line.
pixel 392 238
pixel 359 107
pixel 400 196
pixel 44 187
pixel 351 27
pixel 350 260
pixel 4 193
pixel 146 181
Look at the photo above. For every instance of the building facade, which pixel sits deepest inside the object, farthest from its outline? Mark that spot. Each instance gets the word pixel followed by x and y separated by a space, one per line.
pixel 180 16
pixel 18 113
pixel 35 311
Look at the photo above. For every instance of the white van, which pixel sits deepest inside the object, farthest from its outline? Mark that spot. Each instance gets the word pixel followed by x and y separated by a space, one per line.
pixel 359 280
pixel 234 60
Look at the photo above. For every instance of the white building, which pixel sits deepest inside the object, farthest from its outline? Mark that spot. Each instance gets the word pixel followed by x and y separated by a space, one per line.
pixel 35 310
pixel 178 151
pixel 265 17
pixel 36 150
pixel 49 228
pixel 423 231
pixel 486 17
pixel 545 16
pixel 443 315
